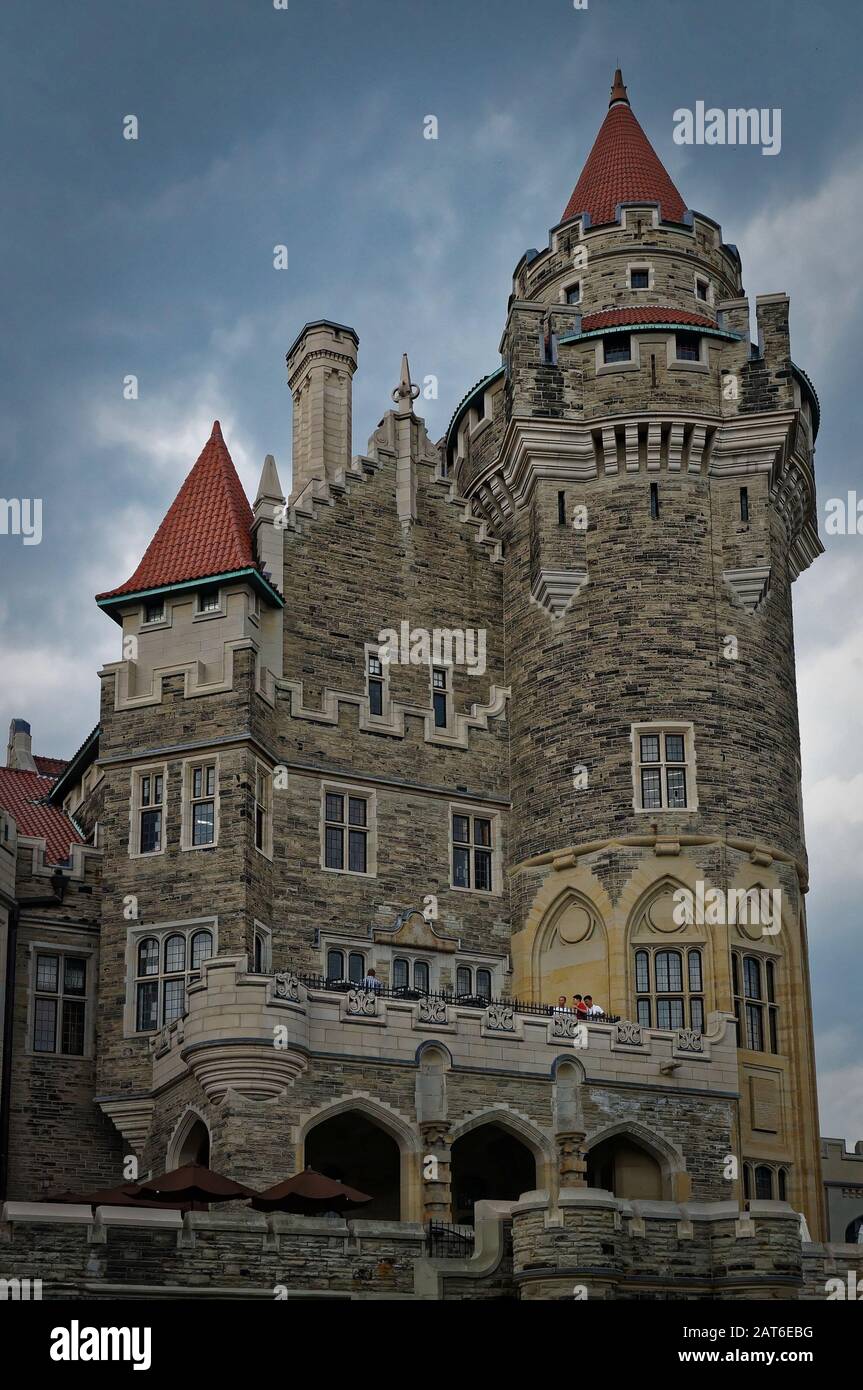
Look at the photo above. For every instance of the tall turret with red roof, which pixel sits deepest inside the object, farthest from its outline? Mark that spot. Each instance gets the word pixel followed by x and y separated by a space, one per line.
pixel 649 471
pixel 186 711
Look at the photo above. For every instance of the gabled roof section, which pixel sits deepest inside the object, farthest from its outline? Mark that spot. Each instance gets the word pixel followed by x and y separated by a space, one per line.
pixel 23 795
pixel 206 534
pixel 623 167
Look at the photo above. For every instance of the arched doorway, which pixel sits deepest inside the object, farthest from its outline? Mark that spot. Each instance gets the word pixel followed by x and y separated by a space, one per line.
pixel 352 1149
pixel 191 1144
pixel 489 1164
pixel 621 1165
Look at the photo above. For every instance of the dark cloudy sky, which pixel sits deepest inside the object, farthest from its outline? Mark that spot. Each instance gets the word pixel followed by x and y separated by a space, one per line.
pixel 303 127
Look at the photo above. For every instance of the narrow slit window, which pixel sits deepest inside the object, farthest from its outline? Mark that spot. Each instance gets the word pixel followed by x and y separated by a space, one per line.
pixel 654 501
pixel 744 504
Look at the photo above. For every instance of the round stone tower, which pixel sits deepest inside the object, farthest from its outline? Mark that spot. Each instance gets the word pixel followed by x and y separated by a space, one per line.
pixel 649 470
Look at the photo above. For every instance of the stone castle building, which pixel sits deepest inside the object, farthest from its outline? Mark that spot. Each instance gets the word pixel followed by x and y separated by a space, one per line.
pixel 503 718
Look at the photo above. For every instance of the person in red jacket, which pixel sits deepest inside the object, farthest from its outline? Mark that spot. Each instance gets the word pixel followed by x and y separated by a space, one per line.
pixel 579 1005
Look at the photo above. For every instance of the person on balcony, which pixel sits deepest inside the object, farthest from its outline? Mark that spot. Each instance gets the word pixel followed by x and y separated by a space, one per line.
pixel 593 1010
pixel 579 1006
pixel 371 983
pixel 560 1007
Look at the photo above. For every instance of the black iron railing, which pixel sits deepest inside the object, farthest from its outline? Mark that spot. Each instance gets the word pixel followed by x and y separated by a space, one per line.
pixel 464 1001
pixel 449 1242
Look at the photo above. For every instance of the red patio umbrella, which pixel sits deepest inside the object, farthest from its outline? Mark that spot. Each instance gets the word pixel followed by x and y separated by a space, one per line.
pixel 128 1194
pixel 308 1192
pixel 194 1183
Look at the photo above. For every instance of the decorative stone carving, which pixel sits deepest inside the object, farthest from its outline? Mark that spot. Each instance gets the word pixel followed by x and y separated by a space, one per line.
pixel 432 1010
pixel 499 1018
pixel 688 1040
pixel 287 986
pixel 362 1003
pixel 750 585
pixel 564 1026
pixel 630 1034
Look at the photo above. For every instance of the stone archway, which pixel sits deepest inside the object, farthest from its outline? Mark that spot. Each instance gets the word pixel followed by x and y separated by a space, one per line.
pixel 489 1163
pixel 190 1142
pixel 631 1162
pixel 363 1117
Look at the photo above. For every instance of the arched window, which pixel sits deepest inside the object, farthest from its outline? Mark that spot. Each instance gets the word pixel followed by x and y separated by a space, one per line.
pixel 463 980
pixel 852 1234
pixel 202 948
pixel 755 1006
pixel 483 984
pixel 421 976
pixel 782 1177
pixel 356 967
pixel 669 988
pixel 763 1183
pixel 335 965
pixel 401 973
pixel 164 966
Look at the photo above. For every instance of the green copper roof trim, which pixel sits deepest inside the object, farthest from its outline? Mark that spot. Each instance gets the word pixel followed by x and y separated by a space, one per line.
pixel 466 400
pixel 644 327
pixel 251 574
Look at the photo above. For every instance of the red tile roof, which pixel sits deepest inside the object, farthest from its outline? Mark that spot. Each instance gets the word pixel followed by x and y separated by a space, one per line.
pixel 207 529
pixel 51 767
pixel 622 167
pixel 21 794
pixel 643 313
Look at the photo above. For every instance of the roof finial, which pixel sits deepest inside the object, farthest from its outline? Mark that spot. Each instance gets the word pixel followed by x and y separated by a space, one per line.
pixel 406 392
pixel 618 91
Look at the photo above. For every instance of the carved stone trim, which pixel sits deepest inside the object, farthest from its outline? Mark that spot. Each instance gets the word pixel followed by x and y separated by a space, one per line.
pixel 629 1034
pixel 499 1018
pixel 751 586
pixel 554 590
pixel 287 986
pixel 432 1011
pixel 688 1040
pixel 362 1003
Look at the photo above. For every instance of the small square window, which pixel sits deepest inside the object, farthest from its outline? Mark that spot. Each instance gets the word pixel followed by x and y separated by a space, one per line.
pixel 688 347
pixel 617 348
pixel 208 601
pixel 702 289
pixel 154 611
pixel 573 294
pixel 639 279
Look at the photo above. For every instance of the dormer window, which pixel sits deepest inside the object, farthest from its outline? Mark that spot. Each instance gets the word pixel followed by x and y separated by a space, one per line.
pixel 154 610
pixel 617 348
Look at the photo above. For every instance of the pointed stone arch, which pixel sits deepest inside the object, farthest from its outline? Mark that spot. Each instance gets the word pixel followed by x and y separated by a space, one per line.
pixel 671 1160
pixel 181 1142
pixel 393 1123
pixel 574 885
pixel 522 1127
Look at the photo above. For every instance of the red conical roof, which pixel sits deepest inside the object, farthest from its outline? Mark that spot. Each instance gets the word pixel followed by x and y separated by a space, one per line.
pixel 622 167
pixel 207 530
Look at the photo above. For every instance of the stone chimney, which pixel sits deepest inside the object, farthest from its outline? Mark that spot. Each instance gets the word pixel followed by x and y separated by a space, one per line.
pixel 18 750
pixel 321 365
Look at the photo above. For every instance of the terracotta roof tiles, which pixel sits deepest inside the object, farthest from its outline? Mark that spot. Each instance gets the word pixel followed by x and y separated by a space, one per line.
pixel 207 530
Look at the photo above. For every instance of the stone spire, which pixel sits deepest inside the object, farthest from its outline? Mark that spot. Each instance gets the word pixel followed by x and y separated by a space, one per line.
pixel 406 392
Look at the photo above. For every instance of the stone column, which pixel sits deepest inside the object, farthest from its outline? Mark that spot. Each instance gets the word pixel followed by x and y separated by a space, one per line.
pixel 572 1168
pixel 436 1190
